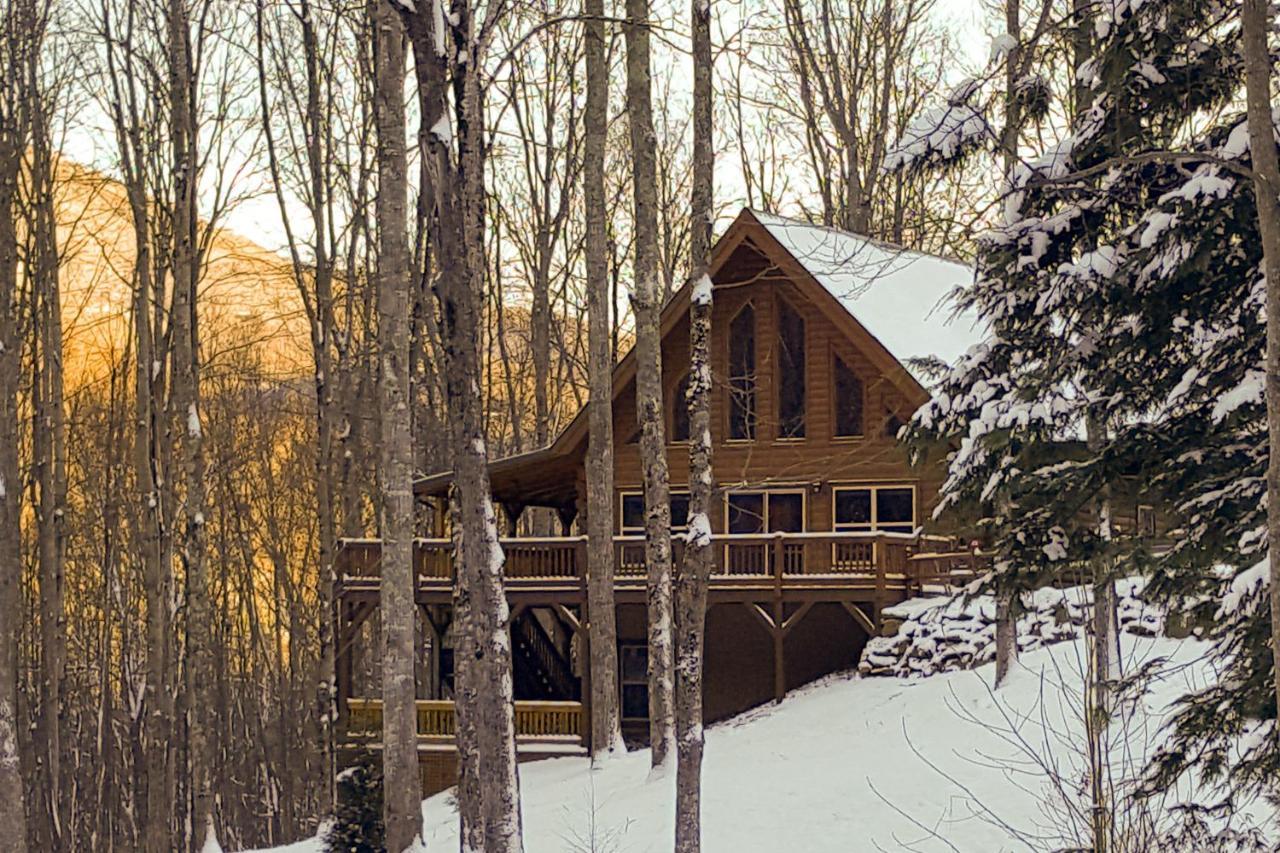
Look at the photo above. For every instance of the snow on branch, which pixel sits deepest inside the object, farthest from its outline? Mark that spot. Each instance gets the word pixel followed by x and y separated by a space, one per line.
pixel 941 135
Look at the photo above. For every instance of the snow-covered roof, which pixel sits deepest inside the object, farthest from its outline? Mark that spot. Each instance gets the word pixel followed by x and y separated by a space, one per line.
pixel 899 295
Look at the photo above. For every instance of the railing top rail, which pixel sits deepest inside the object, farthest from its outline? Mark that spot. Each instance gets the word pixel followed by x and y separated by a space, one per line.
pixel 447 704
pixel 726 537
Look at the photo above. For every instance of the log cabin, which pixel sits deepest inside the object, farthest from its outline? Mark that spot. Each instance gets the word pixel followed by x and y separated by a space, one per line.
pixel 821 523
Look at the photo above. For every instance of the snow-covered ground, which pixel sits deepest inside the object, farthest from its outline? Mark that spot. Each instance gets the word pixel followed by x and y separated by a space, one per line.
pixel 933 764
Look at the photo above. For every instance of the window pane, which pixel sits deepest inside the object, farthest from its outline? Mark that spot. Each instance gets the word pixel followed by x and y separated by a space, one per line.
pixel 633 512
pixel 679 511
pixel 635 701
pixel 786 512
pixel 742 374
pixel 853 506
pixel 635 663
pixel 895 506
pixel 791 365
pixel 746 513
pixel 848 415
pixel 680 411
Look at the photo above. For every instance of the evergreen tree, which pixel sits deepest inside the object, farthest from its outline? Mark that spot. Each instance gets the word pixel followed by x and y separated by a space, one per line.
pixel 357 825
pixel 1122 287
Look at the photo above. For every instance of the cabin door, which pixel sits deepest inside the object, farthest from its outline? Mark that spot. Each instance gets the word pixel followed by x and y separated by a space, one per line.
pixel 753 515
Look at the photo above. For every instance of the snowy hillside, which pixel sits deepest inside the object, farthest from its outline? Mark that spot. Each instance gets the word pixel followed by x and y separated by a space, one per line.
pixel 850 763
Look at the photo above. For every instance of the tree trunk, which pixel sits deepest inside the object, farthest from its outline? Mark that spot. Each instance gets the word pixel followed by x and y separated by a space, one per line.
pixel 693 577
pixel 606 724
pixel 186 411
pixel 402 796
pixel 646 302
pixel 12 784
pixel 484 701
pixel 1006 635
pixel 1006 615
pixel 1256 22
pixel 49 450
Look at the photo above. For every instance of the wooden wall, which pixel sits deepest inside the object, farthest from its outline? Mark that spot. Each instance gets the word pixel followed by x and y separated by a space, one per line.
pixel 819 460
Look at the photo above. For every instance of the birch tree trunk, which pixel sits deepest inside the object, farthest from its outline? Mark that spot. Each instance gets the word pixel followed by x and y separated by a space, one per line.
pixel 482 557
pixel 402 797
pixel 440 196
pixel 49 436
pixel 692 579
pixel 606 724
pixel 186 410
pixel 12 785
pixel 646 303
pixel 1256 22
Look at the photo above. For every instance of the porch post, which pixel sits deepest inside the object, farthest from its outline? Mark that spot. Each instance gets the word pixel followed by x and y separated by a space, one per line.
pixel 513 510
pixel 779 652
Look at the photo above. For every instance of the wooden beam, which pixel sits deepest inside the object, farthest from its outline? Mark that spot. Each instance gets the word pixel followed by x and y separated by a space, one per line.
pixel 568 616
pixel 859 615
pixel 760 613
pixel 792 620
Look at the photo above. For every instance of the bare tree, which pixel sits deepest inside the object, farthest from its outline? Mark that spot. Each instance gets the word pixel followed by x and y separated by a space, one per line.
pixel 48 435
pixel 185 408
pixel 1257 21
pixel 606 724
pixel 455 172
pixel 402 793
pixel 694 575
pixel 646 301
pixel 12 143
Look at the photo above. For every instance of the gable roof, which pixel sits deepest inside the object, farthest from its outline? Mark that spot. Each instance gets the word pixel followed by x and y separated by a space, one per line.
pixel 899 295
pixel 852 274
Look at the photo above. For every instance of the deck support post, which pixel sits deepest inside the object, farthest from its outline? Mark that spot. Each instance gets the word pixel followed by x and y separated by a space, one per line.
pixel 435 636
pixel 779 653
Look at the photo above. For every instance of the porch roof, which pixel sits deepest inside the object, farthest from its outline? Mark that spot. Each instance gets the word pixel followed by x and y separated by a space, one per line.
pixel 543 477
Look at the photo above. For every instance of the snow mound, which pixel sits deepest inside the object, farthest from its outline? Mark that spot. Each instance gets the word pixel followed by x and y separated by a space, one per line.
pixel 946 634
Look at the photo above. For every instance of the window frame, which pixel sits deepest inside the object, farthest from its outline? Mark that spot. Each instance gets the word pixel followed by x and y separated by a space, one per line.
pixel 625 682
pixel 779 379
pixel 1145 521
pixel 754 410
pixel 623 494
pixel 835 359
pixel 675 397
pixel 873 526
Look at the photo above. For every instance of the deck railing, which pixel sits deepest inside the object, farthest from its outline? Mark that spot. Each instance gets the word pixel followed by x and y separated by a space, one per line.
pixel 872 558
pixel 536 722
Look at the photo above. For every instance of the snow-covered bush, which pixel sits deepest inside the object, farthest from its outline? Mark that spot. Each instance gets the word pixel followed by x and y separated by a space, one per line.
pixel 944 634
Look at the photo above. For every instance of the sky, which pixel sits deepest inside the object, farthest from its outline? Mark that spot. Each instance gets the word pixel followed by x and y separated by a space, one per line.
pixel 256 214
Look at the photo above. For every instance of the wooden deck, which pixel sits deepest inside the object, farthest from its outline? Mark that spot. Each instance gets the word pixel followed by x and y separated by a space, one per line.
pixel 883 567
pixel 543 724
pixel 777 577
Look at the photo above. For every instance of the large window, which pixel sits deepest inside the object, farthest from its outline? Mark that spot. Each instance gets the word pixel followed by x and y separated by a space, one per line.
pixel 891 509
pixel 633 513
pixel 633 659
pixel 680 410
pixel 742 375
pixel 791 368
pixel 765 512
pixel 848 400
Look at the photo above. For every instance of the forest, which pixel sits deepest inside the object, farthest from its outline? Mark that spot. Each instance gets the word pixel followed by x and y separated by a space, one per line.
pixel 264 263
